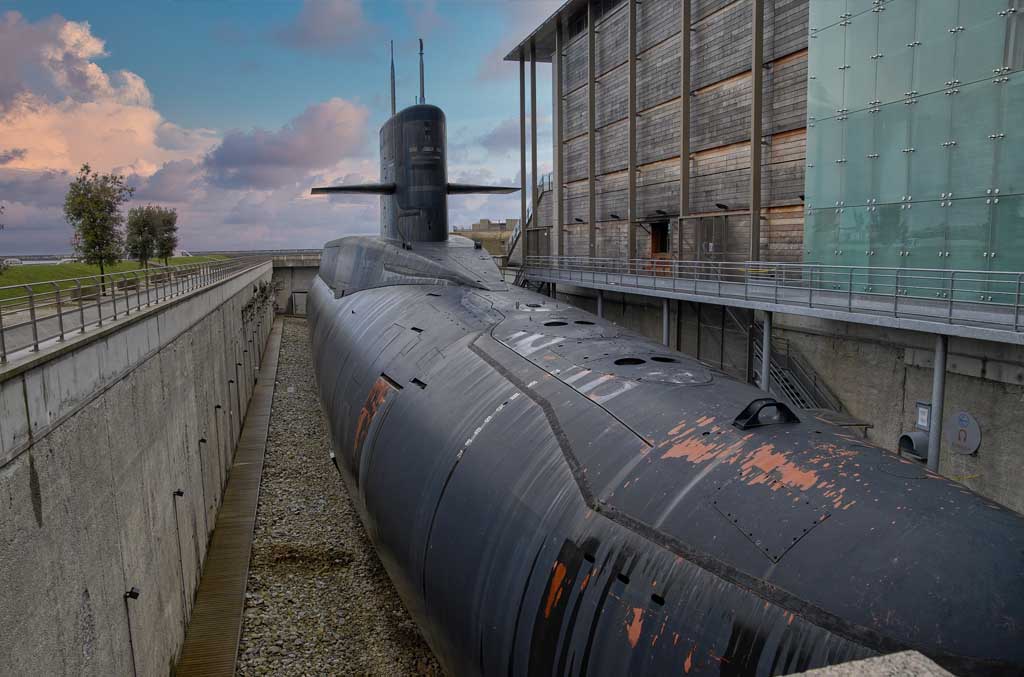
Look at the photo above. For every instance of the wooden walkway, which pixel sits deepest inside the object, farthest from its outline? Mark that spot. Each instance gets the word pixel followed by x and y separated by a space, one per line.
pixel 211 641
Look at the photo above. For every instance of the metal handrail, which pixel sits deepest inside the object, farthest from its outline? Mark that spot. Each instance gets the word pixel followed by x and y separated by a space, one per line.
pixel 38 312
pixel 955 293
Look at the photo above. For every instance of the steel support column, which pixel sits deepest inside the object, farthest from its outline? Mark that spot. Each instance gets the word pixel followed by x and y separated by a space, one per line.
pixel 631 142
pixel 756 85
pixel 665 334
pixel 938 395
pixel 522 151
pixel 600 303
pixel 591 135
pixel 766 353
pixel 533 132
pixel 557 102
pixel 684 125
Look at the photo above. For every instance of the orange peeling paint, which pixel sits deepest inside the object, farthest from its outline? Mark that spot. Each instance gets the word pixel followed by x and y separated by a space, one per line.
pixel 688 663
pixel 634 627
pixel 374 399
pixel 555 591
pixel 586 580
pixel 767 460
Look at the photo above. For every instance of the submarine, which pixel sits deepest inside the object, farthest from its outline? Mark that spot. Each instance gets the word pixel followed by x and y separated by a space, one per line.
pixel 552 494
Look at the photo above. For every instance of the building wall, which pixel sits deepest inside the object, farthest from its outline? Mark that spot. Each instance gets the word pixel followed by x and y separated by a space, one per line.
pixel 720 124
pixel 914 137
pixel 95 438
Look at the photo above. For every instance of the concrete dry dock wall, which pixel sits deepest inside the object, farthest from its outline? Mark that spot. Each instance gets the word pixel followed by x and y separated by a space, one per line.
pixel 96 437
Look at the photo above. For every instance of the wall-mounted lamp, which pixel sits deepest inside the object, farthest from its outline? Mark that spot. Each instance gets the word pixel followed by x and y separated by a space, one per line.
pixel 661 212
pixel 179 493
pixel 615 216
pixel 721 206
pixel 132 594
pixel 578 220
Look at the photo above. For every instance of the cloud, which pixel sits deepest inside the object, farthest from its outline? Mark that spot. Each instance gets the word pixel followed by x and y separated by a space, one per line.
pixel 11 154
pixel 522 18
pixel 318 138
pixel 327 26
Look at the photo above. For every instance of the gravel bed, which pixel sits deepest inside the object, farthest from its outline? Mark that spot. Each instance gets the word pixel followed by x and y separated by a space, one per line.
pixel 318 600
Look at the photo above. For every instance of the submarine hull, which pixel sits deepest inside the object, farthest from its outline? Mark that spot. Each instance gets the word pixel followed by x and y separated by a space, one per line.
pixel 554 495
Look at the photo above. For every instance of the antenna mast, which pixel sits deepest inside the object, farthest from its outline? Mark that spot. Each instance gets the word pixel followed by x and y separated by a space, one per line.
pixel 392 78
pixel 423 98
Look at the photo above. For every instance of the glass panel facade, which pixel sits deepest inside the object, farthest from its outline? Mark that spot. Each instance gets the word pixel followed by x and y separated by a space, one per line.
pixel 826 72
pixel 895 44
pixel 824 13
pixel 861 57
pixel 918 141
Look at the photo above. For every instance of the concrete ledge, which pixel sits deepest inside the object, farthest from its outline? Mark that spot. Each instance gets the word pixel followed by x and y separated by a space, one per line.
pixel 903 664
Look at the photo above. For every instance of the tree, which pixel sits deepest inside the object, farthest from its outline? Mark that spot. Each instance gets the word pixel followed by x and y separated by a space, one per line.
pixel 144 225
pixel 93 208
pixel 167 233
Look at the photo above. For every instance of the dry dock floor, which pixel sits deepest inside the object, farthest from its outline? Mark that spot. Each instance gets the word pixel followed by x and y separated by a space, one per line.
pixel 318 600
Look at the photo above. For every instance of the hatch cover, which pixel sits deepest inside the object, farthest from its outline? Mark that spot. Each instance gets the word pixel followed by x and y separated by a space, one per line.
pixel 771 515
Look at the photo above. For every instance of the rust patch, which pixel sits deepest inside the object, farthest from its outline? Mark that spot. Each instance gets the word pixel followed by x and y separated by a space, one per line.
pixel 586 580
pixel 688 663
pixel 555 591
pixel 767 460
pixel 635 627
pixel 378 393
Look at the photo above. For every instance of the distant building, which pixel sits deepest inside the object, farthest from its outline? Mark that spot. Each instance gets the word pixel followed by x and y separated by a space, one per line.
pixel 488 226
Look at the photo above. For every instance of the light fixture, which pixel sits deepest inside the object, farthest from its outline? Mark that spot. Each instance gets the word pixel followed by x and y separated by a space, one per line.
pixel 578 220
pixel 721 206
pixel 132 594
pixel 615 216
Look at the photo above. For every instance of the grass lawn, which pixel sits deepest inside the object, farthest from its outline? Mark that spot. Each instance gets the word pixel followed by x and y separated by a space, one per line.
pixel 34 274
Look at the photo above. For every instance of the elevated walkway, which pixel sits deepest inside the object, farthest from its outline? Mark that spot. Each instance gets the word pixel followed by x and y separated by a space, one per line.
pixel 980 305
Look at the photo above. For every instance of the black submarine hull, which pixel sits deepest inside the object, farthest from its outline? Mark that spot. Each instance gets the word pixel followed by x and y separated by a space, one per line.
pixel 552 494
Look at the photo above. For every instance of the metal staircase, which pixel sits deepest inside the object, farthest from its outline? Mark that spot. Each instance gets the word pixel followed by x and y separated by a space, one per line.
pixel 792 379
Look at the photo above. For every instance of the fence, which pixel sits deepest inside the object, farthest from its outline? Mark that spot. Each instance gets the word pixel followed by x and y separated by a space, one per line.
pixel 950 296
pixel 32 314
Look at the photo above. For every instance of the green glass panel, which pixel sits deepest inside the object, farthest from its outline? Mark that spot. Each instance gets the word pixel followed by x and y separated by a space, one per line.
pixel 826 72
pixel 896 66
pixel 891 137
pixel 968 234
pixel 972 159
pixel 930 127
pixel 824 180
pixel 1010 148
pixel 1008 234
pixel 886 243
pixel 925 238
pixel 861 48
pixel 933 61
pixel 853 236
pixel 824 13
pixel 981 44
pixel 821 228
pixel 859 172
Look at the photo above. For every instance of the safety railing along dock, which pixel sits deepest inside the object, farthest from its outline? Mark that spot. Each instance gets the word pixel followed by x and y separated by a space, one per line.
pixel 34 313
pixel 967 298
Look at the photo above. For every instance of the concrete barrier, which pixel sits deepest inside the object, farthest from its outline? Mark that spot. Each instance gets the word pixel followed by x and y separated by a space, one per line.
pixel 293 278
pixel 114 447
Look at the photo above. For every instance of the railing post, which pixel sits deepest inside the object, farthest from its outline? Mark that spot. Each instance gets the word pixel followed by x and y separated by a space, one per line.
pixel 60 311
pixel 1016 305
pixel 32 317
pixel 149 300
pixel 81 306
pixel 99 308
pixel 127 299
pixel 896 295
pixel 952 293
pixel 849 292
pixel 3 341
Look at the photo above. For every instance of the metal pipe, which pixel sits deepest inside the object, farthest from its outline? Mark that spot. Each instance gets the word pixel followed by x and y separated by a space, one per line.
pixel 766 353
pixel 600 303
pixel 60 311
pixel 591 135
pixel 684 124
pixel 664 322
pixel 756 87
pixel 558 103
pixel 522 146
pixel 423 97
pixel 533 131
pixel 392 78
pixel 631 143
pixel 32 317
pixel 938 395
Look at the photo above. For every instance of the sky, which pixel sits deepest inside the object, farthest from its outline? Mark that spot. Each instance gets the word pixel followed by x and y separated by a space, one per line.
pixel 231 110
